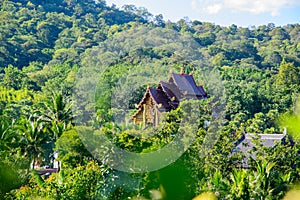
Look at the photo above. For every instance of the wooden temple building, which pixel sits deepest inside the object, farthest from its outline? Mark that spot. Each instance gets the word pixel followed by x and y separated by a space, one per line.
pixel 165 97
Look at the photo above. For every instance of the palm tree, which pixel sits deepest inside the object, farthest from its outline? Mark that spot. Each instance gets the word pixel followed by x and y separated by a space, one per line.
pixel 33 137
pixel 58 113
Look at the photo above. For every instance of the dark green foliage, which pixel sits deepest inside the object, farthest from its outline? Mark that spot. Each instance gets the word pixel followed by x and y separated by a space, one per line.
pixel 81 182
pixel 15 79
pixel 71 150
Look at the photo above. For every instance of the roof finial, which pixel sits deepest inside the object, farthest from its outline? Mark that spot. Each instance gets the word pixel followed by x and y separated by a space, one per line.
pixel 181 70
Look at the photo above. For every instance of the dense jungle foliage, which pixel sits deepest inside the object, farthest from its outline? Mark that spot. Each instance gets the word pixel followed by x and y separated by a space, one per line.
pixel 46 45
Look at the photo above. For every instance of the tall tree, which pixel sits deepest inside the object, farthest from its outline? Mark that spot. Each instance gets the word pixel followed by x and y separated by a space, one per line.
pixel 13 78
pixel 288 74
pixel 58 113
pixel 33 137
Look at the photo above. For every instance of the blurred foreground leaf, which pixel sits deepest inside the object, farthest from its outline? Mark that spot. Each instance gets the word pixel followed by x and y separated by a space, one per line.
pixel 292 195
pixel 8 179
pixel 206 196
pixel 292 122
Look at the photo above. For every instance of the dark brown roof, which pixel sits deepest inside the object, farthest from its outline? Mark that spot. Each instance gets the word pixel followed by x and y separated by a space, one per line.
pixel 160 99
pixel 187 85
pixel 202 91
pixel 168 94
pixel 172 92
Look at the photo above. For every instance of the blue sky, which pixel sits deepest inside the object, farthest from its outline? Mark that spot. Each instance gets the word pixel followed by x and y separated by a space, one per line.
pixel 223 12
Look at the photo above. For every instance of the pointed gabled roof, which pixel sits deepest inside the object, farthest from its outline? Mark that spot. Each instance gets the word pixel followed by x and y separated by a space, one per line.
pixel 202 91
pixel 170 90
pixel 160 99
pixel 167 95
pixel 187 85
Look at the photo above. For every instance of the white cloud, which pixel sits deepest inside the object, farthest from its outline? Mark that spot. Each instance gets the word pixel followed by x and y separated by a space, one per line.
pixel 194 4
pixel 252 6
pixel 213 9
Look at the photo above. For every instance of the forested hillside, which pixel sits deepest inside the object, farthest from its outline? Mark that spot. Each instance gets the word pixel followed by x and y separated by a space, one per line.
pixel 46 45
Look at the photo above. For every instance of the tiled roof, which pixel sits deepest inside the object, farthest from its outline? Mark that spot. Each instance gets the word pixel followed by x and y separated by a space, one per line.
pixel 245 143
pixel 187 85
pixel 267 140
pixel 172 92
pixel 168 94
pixel 160 98
pixel 202 91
